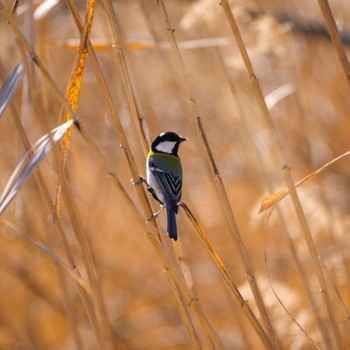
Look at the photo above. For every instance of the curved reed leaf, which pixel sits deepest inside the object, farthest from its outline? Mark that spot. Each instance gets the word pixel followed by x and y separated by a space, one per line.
pixel 25 167
pixel 9 87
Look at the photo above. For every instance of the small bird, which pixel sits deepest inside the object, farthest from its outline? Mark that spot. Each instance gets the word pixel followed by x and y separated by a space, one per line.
pixel 164 175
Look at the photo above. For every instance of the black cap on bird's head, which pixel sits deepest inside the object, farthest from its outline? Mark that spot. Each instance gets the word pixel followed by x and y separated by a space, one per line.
pixel 167 142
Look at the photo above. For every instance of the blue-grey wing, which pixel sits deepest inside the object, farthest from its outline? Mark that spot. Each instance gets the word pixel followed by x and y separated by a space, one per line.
pixel 170 185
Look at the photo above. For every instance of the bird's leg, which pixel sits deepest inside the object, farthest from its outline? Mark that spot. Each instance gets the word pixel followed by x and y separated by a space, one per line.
pixel 150 190
pixel 139 181
pixel 142 180
pixel 154 216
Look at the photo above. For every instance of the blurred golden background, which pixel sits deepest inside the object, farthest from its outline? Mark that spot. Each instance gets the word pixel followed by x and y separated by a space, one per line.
pixel 308 97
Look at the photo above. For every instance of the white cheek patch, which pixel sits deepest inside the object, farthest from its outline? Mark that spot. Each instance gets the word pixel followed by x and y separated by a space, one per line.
pixel 166 147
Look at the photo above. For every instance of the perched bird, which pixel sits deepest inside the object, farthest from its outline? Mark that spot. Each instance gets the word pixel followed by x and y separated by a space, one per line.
pixel 164 175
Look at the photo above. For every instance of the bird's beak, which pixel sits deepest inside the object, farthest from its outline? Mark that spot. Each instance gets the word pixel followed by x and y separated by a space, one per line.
pixel 182 139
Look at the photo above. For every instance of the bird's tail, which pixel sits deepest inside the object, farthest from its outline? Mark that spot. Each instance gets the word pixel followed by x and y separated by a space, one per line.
pixel 172 229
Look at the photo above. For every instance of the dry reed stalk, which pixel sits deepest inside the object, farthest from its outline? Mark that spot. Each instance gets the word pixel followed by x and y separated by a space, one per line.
pixel 278 196
pixel 26 276
pixel 140 126
pixel 73 92
pixel 66 104
pixel 68 303
pixel 186 272
pixel 186 318
pixel 139 121
pixel 85 246
pixel 338 295
pixel 323 196
pixel 315 257
pixel 78 123
pixel 183 263
pixel 105 328
pixel 305 280
pixel 159 45
pixel 125 147
pixel 302 273
pixel 267 117
pixel 113 114
pixel 112 111
pixel 49 252
pixel 217 177
pixel 321 325
pixel 235 229
pixel 253 79
pixel 232 288
pixel 191 300
pixel 333 31
pixel 60 233
pixel 118 128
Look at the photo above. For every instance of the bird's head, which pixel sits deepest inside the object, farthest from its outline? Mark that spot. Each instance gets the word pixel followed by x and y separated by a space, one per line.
pixel 167 142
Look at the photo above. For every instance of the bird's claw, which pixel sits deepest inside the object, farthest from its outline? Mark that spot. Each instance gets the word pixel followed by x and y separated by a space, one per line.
pixel 140 181
pixel 154 216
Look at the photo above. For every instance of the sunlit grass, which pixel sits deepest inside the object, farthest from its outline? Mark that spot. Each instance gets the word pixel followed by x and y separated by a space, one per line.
pixel 102 276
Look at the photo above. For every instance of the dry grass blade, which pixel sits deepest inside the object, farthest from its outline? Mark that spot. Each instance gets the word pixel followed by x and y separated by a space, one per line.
pixel 279 94
pixel 44 8
pixel 36 59
pixel 26 167
pixel 228 280
pixel 102 45
pixel 273 199
pixel 9 87
pixel 73 91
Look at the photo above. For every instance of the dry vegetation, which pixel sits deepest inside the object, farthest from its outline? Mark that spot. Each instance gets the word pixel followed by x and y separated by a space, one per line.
pixel 137 293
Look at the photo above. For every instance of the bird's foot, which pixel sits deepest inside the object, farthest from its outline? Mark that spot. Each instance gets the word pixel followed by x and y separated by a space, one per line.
pixel 154 216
